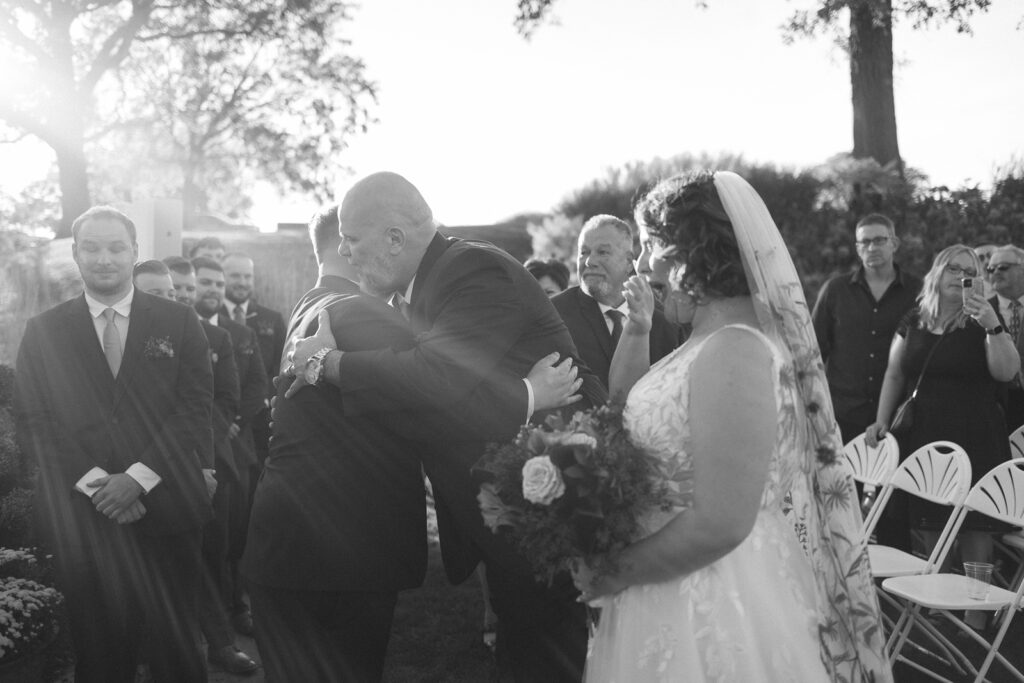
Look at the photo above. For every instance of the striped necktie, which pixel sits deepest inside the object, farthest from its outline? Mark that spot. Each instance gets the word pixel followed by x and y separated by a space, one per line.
pixel 111 342
pixel 239 315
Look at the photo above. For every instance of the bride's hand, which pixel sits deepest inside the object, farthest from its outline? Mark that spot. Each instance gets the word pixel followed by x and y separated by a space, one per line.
pixel 640 300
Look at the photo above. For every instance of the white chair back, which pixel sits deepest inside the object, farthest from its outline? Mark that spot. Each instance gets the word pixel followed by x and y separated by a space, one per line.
pixel 939 472
pixel 1017 443
pixel 873 466
pixel 1000 493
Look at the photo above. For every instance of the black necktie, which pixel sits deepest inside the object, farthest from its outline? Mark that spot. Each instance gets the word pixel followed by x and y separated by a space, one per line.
pixel 616 318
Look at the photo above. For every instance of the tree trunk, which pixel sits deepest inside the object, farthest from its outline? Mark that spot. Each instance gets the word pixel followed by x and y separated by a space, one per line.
pixel 874 107
pixel 74 182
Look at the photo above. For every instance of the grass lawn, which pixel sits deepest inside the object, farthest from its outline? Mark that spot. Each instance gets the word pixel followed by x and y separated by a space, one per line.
pixel 436 635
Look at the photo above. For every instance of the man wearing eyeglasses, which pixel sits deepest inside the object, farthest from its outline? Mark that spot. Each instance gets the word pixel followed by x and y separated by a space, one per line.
pixel 1006 273
pixel 855 318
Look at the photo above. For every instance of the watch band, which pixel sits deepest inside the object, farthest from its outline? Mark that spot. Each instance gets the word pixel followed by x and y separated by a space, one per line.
pixel 316 364
pixel 998 329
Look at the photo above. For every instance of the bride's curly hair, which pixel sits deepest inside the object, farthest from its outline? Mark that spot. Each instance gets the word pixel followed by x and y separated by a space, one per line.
pixel 685 212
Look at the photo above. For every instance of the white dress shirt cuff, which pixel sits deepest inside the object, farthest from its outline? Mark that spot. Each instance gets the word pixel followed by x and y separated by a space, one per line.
pixel 529 400
pixel 92 475
pixel 147 478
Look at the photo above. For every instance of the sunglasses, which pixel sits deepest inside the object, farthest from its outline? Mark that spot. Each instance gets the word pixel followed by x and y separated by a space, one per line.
pixel 1001 268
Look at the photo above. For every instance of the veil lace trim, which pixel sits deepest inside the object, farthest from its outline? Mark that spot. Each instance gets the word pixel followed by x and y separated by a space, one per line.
pixel 823 502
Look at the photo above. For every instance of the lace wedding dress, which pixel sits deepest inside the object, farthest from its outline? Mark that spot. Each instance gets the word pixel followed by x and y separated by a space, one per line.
pixel 751 615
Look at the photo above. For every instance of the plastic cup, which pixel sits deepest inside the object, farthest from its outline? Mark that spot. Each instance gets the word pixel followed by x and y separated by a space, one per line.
pixel 980 575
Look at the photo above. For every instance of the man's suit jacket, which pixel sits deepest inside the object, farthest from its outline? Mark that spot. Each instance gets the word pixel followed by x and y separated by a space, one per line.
pixel 589 331
pixel 269 327
pixel 225 401
pixel 252 381
pixel 73 415
pixel 480 317
pixel 341 502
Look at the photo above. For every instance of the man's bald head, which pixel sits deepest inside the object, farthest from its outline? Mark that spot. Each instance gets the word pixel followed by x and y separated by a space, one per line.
pixel 386 227
pixel 385 199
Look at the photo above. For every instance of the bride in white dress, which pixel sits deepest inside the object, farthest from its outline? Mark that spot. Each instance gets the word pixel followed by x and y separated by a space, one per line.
pixel 759 573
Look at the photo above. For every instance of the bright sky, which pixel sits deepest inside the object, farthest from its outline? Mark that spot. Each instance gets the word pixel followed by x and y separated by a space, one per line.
pixel 487 124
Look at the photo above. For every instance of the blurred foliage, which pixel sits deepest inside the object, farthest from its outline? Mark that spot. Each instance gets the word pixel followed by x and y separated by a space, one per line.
pixel 16 475
pixel 207 118
pixel 201 96
pixel 816 210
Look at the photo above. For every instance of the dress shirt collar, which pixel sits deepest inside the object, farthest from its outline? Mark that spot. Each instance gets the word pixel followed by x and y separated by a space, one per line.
pixel 407 295
pixel 213 320
pixel 858 275
pixel 122 307
pixel 231 306
pixel 1004 303
pixel 622 308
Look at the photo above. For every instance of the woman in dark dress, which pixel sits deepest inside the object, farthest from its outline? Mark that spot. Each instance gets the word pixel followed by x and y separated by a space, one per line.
pixel 958 397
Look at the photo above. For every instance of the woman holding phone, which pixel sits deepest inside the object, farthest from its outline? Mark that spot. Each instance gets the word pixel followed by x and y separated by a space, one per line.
pixel 957 399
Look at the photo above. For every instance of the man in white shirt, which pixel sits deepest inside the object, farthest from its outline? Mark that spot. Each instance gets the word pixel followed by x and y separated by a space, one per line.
pixel 112 400
pixel 1006 272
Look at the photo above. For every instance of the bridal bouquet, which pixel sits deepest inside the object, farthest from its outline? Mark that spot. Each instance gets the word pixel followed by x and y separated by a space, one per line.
pixel 564 491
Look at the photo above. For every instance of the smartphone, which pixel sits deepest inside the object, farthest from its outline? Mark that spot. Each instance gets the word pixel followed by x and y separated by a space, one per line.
pixel 968 290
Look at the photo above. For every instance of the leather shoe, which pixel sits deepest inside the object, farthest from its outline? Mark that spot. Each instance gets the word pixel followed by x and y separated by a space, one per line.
pixel 242 621
pixel 232 660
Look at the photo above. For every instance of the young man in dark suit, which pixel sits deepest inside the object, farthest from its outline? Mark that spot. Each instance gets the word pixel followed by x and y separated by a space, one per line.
pixel 252 379
pixel 338 522
pixel 222 480
pixel 595 310
pixel 478 315
pixel 113 400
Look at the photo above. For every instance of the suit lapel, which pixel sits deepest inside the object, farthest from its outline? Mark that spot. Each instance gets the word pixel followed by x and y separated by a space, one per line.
pixel 138 331
pixel 84 340
pixel 592 314
pixel 424 276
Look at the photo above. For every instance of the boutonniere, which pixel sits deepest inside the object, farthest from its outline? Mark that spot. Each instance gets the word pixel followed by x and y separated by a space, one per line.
pixel 266 329
pixel 158 347
pixel 213 357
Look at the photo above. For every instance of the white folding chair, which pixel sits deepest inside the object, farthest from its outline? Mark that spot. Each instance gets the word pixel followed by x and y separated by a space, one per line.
pixel 1017 443
pixel 872 467
pixel 939 472
pixel 1011 545
pixel 999 495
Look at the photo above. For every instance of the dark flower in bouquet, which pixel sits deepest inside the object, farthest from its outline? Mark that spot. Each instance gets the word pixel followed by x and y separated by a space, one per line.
pixel 568 491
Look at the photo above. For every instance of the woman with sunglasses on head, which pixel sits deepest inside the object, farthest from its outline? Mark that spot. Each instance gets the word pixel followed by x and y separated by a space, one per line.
pixel 957 399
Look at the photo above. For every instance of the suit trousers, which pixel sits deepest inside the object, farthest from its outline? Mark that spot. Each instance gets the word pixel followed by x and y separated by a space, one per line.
pixel 217 581
pixel 322 635
pixel 120 580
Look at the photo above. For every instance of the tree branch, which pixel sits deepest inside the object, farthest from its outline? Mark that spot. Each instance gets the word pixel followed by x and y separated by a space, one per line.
pixel 19 39
pixel 117 45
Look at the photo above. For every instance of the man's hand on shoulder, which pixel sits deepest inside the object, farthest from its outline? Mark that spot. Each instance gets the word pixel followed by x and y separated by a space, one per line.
pixel 305 348
pixel 117 493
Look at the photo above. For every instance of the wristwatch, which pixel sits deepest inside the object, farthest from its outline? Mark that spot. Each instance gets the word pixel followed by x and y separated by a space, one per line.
pixel 998 329
pixel 314 372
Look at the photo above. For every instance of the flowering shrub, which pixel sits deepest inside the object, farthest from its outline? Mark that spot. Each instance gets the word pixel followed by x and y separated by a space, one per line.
pixel 573 490
pixel 28 609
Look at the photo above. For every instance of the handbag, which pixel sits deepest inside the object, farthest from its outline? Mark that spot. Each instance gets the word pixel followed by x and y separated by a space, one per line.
pixel 903 420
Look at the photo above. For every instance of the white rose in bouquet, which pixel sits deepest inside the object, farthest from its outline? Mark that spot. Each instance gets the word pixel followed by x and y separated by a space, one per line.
pixel 542 481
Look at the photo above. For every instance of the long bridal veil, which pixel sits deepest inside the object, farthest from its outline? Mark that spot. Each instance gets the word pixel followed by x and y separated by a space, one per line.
pixel 823 503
